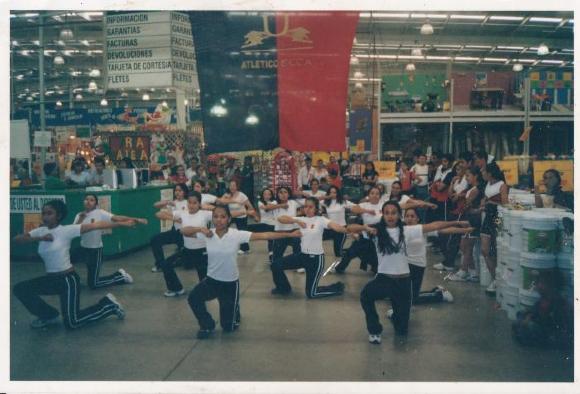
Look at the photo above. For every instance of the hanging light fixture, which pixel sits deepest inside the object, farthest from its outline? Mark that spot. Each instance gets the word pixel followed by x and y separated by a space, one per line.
pixel 95 73
pixel 185 102
pixel 104 102
pixel 358 85
pixel 518 67
pixel 427 29
pixel 59 103
pixel 416 52
pixel 29 98
pixel 58 60
pixel 358 74
pixel 79 97
pixel 92 85
pixel 66 34
pixel 543 50
pixel 410 67
pixel 164 104
pixel 354 60
pixel 146 97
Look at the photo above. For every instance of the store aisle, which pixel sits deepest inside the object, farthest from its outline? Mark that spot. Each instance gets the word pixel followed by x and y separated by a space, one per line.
pixel 280 338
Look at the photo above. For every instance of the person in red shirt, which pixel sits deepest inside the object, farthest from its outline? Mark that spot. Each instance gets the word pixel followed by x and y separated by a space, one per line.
pixel 334 179
pixel 406 177
pixel 332 165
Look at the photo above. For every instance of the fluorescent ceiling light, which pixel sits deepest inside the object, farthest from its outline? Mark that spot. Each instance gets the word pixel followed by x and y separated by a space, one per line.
pixel 410 67
pixel 85 42
pixel 427 29
pixel 511 48
pixel 383 15
pixel 365 79
pixel 358 74
pixel 525 60
pixel 438 58
pixel 542 19
pixel 471 17
pixel 505 18
pixel 146 97
pixel 448 46
pixel 567 50
pixel 543 50
pixel 429 16
pixel 478 47
pixel 571 21
pixel 552 61
pixel 495 59
pixel 466 59
pixel 104 102
pixel 406 57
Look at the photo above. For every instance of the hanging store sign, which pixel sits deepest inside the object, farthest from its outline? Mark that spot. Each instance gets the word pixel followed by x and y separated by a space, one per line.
pixel 149 49
pixel 510 171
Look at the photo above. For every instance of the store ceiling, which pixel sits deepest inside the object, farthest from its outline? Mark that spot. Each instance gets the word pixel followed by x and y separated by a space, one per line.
pixel 384 41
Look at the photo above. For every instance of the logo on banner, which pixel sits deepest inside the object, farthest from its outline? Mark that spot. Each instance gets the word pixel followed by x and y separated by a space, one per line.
pixel 297 34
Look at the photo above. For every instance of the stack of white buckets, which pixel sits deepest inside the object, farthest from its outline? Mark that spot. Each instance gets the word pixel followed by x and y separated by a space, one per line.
pixel 529 244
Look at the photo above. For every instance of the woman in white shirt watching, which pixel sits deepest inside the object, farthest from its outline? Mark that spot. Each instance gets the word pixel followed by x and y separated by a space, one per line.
pixel 61 279
pixel 92 243
pixel 390 237
pixel 285 206
pixel 311 256
pixel 336 206
pixel 222 280
pixel 266 207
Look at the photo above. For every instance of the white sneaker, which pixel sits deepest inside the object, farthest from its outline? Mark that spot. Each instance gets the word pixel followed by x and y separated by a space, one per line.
pixel 170 293
pixel 240 252
pixel 390 313
pixel 120 312
pixel 156 269
pixel 447 296
pixel 375 339
pixel 41 323
pixel 459 276
pixel 491 288
pixel 301 270
pixel 128 278
pixel 441 267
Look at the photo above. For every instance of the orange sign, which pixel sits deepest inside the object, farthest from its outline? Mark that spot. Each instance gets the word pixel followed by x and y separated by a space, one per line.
pixel 386 169
pixel 510 170
pixel 564 167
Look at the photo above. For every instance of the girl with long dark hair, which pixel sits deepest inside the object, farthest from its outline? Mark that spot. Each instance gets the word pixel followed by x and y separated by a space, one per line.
pixel 267 219
pixel 390 237
pixel 336 206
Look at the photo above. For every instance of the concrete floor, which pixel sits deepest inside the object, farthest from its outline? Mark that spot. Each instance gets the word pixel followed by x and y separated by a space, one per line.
pixel 280 339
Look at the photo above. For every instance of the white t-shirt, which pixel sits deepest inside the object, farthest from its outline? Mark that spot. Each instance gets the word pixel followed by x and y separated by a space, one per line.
pixel 461 185
pixel 319 175
pixel 201 218
pixel 82 179
pixel 403 200
pixel 207 198
pixel 290 211
pixel 180 206
pixel 421 174
pixel 368 218
pixel 396 263
pixel 311 240
pixel 238 205
pixel 56 254
pixel 222 253
pixel 319 193
pixel 336 212
pixel 304 175
pixel 267 217
pixel 440 174
pixel 92 239
pixel 417 249
pixel 189 173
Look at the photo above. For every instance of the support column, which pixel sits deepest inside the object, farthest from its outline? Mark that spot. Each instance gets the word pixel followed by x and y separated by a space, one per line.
pixel 41 85
pixel 180 108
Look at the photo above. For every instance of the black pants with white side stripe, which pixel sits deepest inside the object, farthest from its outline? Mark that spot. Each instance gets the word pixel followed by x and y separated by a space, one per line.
pixel 381 287
pixel 263 228
pixel 172 236
pixel 242 225
pixel 67 287
pixel 337 240
pixel 194 258
pixel 423 297
pixel 314 266
pixel 94 258
pixel 228 295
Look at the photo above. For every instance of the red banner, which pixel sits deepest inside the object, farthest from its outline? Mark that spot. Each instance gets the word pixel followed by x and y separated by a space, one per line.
pixel 313 64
